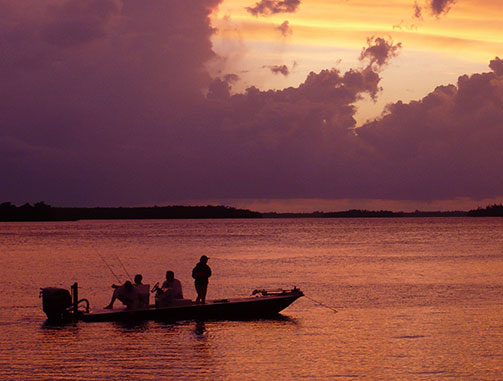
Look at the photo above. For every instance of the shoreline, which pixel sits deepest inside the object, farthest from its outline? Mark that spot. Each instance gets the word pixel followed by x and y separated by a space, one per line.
pixel 41 212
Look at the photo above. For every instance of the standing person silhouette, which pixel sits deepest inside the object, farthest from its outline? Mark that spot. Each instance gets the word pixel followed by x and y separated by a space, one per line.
pixel 201 273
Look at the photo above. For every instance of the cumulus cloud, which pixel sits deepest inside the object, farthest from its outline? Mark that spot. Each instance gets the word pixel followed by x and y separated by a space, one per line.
pixel 285 29
pixel 418 13
pixel 271 7
pixel 124 112
pixel 497 66
pixel 439 7
pixel 88 85
pixel 220 88
pixel 380 51
pixel 445 145
pixel 123 117
pixel 436 7
pixel 75 22
pixel 279 69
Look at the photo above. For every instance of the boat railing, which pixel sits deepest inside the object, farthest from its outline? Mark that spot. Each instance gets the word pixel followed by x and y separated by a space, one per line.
pixel 74 307
pixel 275 291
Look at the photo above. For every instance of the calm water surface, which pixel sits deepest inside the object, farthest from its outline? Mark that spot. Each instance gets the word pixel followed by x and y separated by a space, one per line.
pixel 417 299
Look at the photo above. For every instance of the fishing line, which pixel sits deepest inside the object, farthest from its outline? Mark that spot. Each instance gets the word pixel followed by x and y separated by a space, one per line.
pixel 321 304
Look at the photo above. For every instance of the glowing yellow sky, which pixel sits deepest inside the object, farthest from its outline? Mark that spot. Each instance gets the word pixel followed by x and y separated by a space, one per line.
pixel 476 26
pixel 331 33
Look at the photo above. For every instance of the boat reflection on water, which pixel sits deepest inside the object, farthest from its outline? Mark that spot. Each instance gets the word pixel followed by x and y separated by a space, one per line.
pixel 200 328
pixel 132 325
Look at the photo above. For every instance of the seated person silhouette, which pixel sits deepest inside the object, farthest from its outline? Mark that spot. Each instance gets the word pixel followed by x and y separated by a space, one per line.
pixel 171 290
pixel 143 289
pixel 128 294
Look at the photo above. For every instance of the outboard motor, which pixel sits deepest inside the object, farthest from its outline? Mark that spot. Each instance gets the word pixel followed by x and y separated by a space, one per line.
pixel 56 303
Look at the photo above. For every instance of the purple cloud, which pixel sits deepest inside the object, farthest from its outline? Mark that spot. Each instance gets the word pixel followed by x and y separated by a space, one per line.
pixel 436 7
pixel 75 22
pixel 271 7
pixel 220 88
pixel 285 29
pixel 439 7
pixel 279 69
pixel 497 66
pixel 418 12
pixel 445 145
pixel 124 112
pixel 87 93
pixel 380 51
pixel 122 119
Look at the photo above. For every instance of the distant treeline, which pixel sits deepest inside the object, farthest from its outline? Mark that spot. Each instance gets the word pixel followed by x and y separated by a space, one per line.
pixel 44 212
pixel 489 211
pixel 358 213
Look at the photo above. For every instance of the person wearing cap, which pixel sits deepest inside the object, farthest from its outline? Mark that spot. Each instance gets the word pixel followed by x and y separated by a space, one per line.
pixel 201 273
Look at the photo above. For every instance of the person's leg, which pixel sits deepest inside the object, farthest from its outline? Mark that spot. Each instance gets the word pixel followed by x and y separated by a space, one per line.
pixel 199 293
pixel 204 289
pixel 111 304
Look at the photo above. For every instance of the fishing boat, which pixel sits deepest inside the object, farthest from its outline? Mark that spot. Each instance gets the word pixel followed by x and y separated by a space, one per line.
pixel 62 306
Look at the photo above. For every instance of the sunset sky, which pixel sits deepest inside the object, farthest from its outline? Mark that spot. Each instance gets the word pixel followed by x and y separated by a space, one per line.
pixel 271 105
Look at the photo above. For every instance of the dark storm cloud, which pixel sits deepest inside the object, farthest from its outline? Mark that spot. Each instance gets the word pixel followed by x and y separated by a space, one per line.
pixel 92 87
pixel 124 112
pixel 122 119
pixel 446 145
pixel 75 22
pixel 295 141
pixel 271 7
pixel 302 142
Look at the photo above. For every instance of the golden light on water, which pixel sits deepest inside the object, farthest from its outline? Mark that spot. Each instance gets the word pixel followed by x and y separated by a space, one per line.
pixel 416 299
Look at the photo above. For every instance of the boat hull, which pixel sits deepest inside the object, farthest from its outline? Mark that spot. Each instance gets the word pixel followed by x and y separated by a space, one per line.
pixel 227 309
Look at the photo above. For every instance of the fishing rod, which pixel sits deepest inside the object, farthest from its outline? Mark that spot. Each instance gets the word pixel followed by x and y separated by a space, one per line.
pixel 123 267
pixel 321 304
pixel 111 270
